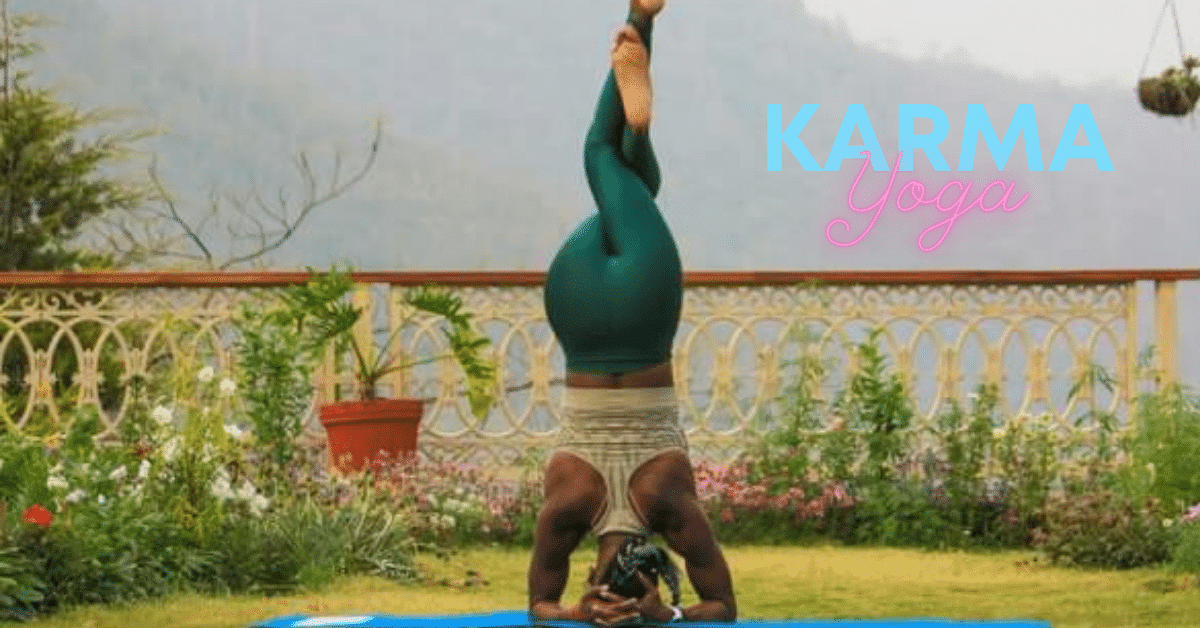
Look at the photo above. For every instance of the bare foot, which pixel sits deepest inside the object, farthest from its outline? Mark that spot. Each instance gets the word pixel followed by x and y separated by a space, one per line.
pixel 631 65
pixel 646 8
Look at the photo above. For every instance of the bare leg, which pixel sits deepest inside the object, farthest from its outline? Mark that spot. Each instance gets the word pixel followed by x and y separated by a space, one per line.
pixel 631 65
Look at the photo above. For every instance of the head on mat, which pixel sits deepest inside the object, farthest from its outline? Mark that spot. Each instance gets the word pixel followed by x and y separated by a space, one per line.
pixel 635 557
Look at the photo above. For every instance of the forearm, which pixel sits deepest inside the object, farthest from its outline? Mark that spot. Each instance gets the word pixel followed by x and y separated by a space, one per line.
pixel 705 611
pixel 711 610
pixel 547 610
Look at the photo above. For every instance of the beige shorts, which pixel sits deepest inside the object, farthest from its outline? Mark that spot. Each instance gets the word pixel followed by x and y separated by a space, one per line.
pixel 616 431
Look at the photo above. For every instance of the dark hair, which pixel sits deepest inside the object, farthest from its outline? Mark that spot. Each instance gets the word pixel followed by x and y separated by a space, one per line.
pixel 636 556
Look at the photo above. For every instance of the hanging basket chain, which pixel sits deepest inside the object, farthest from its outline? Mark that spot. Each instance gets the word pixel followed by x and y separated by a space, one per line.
pixel 1179 34
pixel 1154 37
pixel 1167 4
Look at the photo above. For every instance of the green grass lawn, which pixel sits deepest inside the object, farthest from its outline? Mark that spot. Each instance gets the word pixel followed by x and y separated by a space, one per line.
pixel 771 583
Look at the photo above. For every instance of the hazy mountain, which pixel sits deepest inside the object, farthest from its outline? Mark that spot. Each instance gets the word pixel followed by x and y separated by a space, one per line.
pixel 234 128
pixel 511 86
pixel 488 101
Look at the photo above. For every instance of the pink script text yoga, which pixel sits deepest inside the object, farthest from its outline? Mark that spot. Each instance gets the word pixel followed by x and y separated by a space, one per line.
pixel 915 193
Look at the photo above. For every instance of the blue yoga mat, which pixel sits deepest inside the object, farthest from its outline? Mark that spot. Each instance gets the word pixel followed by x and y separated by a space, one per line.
pixel 520 619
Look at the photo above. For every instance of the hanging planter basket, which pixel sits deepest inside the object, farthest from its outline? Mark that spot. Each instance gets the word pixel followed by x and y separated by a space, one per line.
pixel 1173 93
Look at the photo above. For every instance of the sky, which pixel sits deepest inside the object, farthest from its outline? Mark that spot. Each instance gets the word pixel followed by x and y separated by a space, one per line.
pixel 1076 41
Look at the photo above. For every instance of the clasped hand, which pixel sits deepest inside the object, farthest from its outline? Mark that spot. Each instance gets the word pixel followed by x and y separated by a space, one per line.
pixel 605 608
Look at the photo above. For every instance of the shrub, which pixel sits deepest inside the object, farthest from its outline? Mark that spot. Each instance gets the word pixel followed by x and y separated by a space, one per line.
pixel 899 514
pixel 305 544
pixel 1167 438
pixel 275 356
pixel 745 509
pixel 1185 556
pixel 21 588
pixel 870 454
pixel 117 551
pixel 454 504
pixel 1104 528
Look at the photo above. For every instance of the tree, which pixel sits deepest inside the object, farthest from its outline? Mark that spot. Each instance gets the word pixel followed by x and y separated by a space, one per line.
pixel 51 181
pixel 58 210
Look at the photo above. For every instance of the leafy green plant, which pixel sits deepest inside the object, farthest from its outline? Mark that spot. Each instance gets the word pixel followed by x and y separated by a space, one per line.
pixel 1167 438
pixel 21 588
pixel 308 540
pixel 320 305
pixel 900 513
pixel 876 404
pixel 970 504
pixel 1185 555
pixel 275 366
pixel 118 551
pixel 785 455
pixel 1027 461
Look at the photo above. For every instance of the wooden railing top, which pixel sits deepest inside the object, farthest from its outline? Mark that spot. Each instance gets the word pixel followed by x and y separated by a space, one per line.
pixel 251 279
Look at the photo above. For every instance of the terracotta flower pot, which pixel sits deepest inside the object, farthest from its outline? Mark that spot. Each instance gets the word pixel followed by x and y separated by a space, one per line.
pixel 360 430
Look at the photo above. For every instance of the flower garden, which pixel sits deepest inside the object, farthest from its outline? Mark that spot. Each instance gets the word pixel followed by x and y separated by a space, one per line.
pixel 213 488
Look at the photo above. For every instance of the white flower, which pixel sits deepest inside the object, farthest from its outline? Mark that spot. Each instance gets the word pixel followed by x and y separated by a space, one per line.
pixel 998 433
pixel 56 481
pixel 259 504
pixel 209 451
pixel 234 431
pixel 446 521
pixel 75 496
pixel 162 414
pixel 171 448
pixel 1167 523
pixel 100 500
pixel 220 486
pixel 206 374
pixel 118 474
pixel 227 387
pixel 143 470
pixel 247 491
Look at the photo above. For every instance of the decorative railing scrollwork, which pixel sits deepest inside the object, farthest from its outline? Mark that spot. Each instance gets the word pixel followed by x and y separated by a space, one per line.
pixel 71 339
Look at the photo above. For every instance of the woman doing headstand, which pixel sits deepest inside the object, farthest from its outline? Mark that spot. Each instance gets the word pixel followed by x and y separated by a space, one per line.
pixel 613 297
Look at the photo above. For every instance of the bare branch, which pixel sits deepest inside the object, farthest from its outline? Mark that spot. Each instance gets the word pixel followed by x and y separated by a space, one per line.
pixel 254 227
pixel 312 202
pixel 175 217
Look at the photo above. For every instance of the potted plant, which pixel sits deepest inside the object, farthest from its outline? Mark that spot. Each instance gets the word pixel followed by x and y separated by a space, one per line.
pixel 1173 93
pixel 360 428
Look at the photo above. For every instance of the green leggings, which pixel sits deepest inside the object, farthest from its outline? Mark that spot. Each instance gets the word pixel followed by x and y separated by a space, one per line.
pixel 615 290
